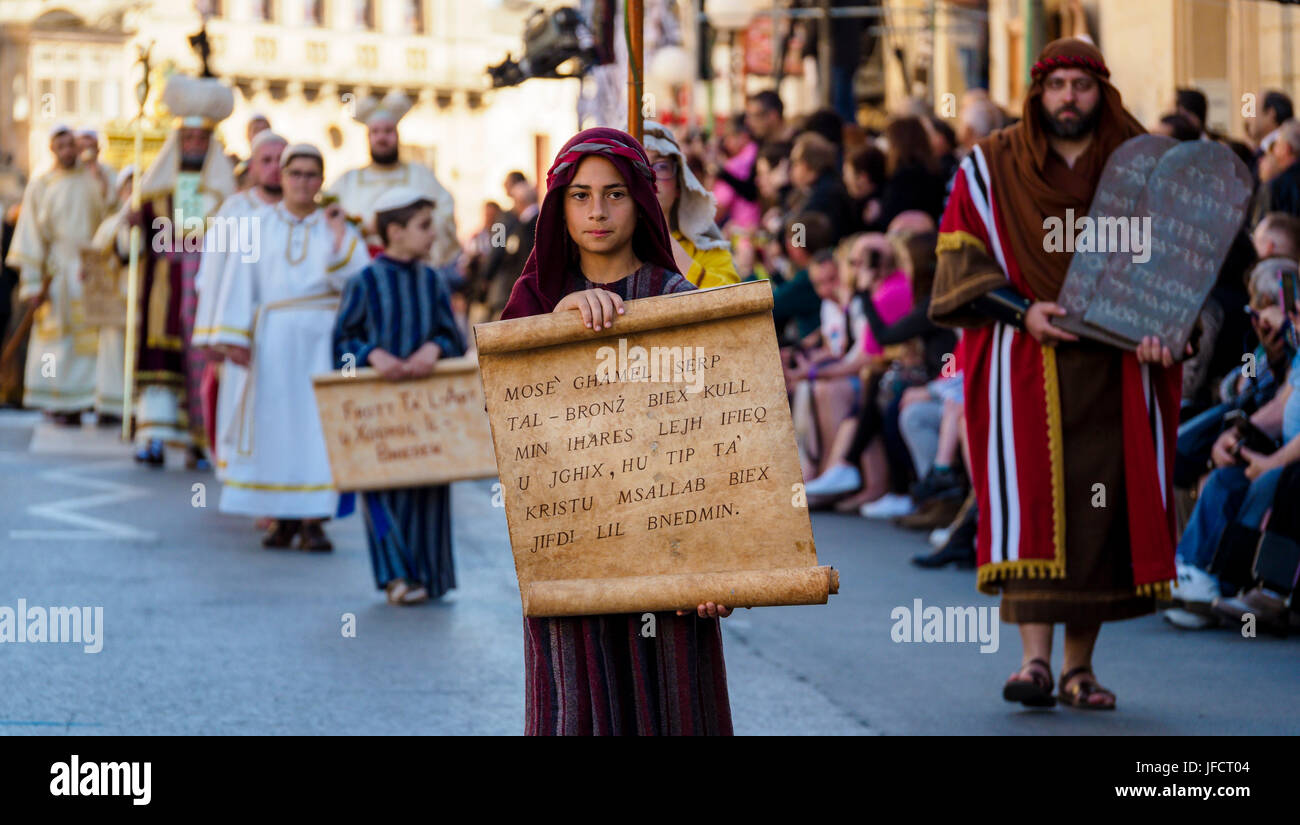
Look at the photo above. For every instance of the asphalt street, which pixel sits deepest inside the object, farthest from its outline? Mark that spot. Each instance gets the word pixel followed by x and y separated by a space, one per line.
pixel 204 632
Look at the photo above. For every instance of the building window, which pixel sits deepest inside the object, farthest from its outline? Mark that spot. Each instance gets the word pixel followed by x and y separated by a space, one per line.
pixel 264 49
pixel 264 10
pixel 363 14
pixel 317 52
pixel 314 12
pixel 94 96
pixel 413 19
pixel 416 60
pixel 367 57
pixel 211 8
pixel 45 97
pixel 70 91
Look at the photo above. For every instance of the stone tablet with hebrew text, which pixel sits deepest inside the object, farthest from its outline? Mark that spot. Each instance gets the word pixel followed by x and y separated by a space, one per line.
pixel 1119 191
pixel 1196 199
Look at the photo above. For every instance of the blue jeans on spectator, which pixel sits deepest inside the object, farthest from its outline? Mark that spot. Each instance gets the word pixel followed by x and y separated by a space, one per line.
pixel 1228 496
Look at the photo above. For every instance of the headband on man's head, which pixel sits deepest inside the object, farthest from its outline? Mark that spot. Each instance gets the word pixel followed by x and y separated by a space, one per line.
pixel 599 145
pixel 1047 65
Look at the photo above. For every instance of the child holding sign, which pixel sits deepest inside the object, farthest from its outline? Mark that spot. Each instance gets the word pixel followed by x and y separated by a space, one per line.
pixel 396 317
pixel 601 240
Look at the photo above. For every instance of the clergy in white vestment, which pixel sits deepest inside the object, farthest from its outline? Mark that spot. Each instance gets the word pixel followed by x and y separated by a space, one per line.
pixel 358 189
pixel 238 217
pixel 61 210
pixel 88 154
pixel 180 192
pixel 113 242
pixel 275 316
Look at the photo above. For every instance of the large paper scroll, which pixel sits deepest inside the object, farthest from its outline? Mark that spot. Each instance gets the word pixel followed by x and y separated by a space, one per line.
pixel 383 434
pixel 652 465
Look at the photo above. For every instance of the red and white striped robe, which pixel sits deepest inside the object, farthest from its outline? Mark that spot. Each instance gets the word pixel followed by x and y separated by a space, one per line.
pixel 1013 421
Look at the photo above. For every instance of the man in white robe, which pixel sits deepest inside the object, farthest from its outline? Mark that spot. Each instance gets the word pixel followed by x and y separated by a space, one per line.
pixel 358 189
pixel 275 316
pixel 244 206
pixel 113 242
pixel 60 212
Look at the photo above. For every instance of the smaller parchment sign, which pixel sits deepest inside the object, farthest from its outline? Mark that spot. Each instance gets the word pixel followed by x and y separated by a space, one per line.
pixel 651 465
pixel 1194 203
pixel 386 434
pixel 1119 191
pixel 105 305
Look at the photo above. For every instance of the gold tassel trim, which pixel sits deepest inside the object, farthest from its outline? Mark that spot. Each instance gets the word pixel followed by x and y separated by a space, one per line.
pixel 1055 451
pixel 990 574
pixel 954 241
pixel 1156 590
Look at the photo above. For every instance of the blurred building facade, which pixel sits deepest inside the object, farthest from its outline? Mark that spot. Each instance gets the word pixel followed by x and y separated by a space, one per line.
pixel 302 63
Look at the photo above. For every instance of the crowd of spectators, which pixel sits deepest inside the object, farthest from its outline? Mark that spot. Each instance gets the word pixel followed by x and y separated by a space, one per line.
pixel 843 221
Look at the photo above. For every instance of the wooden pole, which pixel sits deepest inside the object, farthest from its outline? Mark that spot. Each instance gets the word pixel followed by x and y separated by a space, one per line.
pixel 635 65
pixel 133 270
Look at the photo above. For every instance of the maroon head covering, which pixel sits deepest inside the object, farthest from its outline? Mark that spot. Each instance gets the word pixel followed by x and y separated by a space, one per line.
pixel 542 284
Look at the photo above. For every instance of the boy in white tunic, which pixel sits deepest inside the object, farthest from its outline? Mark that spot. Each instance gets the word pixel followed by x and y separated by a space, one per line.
pixel 275 317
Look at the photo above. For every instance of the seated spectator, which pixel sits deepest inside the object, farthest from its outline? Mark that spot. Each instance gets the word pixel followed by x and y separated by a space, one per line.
pixel 864 178
pixel 703 256
pixel 736 186
pixel 796 301
pixel 861 453
pixel 912 174
pixel 1277 235
pixel 820 405
pixel 1241 489
pixel 814 173
pixel 1222 331
pixel 1280 190
pixel 943 146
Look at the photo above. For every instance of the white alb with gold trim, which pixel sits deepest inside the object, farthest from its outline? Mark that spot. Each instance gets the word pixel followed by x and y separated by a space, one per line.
pixel 282 306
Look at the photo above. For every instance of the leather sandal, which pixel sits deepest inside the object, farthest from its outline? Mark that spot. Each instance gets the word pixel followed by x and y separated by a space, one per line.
pixel 281 533
pixel 1081 692
pixel 1034 692
pixel 311 537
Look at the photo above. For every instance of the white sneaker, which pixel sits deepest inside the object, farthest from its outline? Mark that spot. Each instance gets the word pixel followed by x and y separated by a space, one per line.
pixel 1193 585
pixel 889 505
pixel 939 536
pixel 842 478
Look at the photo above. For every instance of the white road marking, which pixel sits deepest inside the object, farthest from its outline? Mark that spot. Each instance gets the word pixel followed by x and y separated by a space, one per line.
pixel 66 510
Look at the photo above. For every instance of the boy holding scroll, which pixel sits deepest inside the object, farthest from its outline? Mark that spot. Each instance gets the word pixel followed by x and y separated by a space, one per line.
pixel 602 239
pixel 396 317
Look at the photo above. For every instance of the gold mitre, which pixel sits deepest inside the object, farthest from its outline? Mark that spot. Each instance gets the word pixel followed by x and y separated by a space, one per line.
pixel 197 102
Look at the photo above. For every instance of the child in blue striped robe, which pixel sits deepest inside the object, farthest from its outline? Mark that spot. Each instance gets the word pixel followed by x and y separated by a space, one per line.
pixel 396 316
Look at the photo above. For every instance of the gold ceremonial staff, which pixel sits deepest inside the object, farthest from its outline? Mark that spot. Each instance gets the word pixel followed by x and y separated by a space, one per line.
pixel 133 271
pixel 634 20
